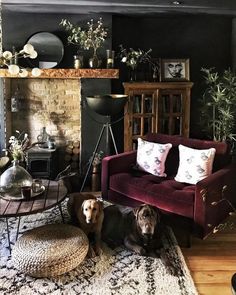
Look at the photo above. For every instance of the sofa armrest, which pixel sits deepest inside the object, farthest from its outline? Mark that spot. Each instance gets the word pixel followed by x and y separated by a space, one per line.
pixel 122 162
pixel 211 196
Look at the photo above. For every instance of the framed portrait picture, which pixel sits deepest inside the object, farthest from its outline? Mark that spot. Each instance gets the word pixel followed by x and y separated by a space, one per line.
pixel 175 69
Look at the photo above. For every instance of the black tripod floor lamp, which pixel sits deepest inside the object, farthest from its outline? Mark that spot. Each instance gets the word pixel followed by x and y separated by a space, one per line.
pixel 107 106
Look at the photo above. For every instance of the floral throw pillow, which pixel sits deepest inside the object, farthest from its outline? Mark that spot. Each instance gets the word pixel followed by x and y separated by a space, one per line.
pixel 194 165
pixel 151 157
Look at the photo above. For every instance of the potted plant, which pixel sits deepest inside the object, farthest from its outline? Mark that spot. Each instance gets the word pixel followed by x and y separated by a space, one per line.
pixel 18 145
pixel 218 105
pixel 91 37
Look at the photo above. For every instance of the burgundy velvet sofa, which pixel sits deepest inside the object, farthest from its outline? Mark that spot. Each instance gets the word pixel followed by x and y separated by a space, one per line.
pixel 203 204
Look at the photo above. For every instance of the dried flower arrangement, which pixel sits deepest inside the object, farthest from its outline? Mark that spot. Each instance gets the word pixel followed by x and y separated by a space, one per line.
pixel 18 145
pixel 98 158
pixel 132 58
pixel 91 37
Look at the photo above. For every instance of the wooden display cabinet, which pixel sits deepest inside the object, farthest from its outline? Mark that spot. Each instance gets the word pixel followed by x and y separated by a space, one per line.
pixel 157 107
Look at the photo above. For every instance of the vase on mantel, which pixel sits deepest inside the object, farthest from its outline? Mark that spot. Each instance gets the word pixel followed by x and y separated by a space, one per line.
pixel 95 62
pixel 78 61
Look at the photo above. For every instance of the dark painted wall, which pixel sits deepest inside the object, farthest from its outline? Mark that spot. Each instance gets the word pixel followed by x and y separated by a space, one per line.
pixel 18 27
pixel 206 40
pixel 233 44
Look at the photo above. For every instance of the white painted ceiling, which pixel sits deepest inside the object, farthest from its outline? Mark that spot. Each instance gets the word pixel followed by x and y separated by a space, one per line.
pixel 137 7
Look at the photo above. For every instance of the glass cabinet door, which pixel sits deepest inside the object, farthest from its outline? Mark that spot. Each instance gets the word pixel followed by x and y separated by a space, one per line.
pixel 137 104
pixel 162 107
pixel 142 118
pixel 170 112
pixel 148 104
pixel 136 126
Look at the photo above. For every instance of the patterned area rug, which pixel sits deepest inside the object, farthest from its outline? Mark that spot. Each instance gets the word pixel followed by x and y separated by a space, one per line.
pixel 115 272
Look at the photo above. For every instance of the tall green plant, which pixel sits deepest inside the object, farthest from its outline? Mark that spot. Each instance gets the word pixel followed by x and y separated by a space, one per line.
pixel 218 105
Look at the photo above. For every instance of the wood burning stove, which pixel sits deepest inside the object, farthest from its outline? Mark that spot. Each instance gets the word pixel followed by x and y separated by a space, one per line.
pixel 42 162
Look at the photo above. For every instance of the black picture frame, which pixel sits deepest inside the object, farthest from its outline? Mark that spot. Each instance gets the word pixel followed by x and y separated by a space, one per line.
pixel 175 69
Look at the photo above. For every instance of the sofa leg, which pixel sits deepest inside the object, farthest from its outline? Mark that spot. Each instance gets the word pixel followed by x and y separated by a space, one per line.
pixel 184 238
pixel 181 227
pixel 188 241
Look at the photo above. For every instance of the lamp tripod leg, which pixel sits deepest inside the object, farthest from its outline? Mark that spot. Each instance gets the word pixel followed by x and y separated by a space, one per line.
pixel 113 139
pixel 93 156
pixel 107 142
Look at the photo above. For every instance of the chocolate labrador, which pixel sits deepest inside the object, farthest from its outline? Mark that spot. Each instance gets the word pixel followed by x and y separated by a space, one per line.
pixel 138 229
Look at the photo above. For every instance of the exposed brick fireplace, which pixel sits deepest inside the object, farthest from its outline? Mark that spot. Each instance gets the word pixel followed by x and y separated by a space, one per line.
pixel 53 103
pixel 53 100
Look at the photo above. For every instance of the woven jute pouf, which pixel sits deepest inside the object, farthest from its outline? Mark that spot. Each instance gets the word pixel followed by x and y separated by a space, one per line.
pixel 50 250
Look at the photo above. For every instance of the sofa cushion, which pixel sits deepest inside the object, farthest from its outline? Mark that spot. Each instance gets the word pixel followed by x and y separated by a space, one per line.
pixel 194 164
pixel 222 156
pixel 164 193
pixel 151 157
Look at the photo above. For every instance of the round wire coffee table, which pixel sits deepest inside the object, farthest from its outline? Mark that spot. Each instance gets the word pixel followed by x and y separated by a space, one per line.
pixel 54 193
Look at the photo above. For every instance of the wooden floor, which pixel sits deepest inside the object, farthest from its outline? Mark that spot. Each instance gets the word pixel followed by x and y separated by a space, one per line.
pixel 212 262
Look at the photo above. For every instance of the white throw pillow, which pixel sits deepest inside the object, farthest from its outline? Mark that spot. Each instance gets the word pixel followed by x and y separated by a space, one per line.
pixel 194 165
pixel 151 156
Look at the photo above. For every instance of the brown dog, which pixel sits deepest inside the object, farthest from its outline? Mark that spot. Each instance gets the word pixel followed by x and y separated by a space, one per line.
pixel 87 212
pixel 138 229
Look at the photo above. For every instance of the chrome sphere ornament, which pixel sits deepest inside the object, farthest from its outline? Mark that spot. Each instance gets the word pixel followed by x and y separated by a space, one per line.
pixel 107 105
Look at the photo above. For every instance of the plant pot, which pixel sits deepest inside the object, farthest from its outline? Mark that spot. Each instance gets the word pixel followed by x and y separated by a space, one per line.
pixel 133 74
pixel 96 178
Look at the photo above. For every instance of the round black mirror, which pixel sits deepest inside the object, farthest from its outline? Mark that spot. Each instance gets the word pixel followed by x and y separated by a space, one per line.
pixel 107 105
pixel 50 50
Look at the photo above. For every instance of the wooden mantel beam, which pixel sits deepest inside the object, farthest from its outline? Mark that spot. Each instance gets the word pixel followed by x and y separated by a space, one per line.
pixel 68 74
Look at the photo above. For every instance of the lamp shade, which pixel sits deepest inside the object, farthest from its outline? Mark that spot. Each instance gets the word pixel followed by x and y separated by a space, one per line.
pixel 107 105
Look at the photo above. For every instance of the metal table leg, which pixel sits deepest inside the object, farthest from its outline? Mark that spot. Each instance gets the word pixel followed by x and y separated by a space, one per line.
pixel 60 209
pixel 8 236
pixel 8 232
pixel 18 226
